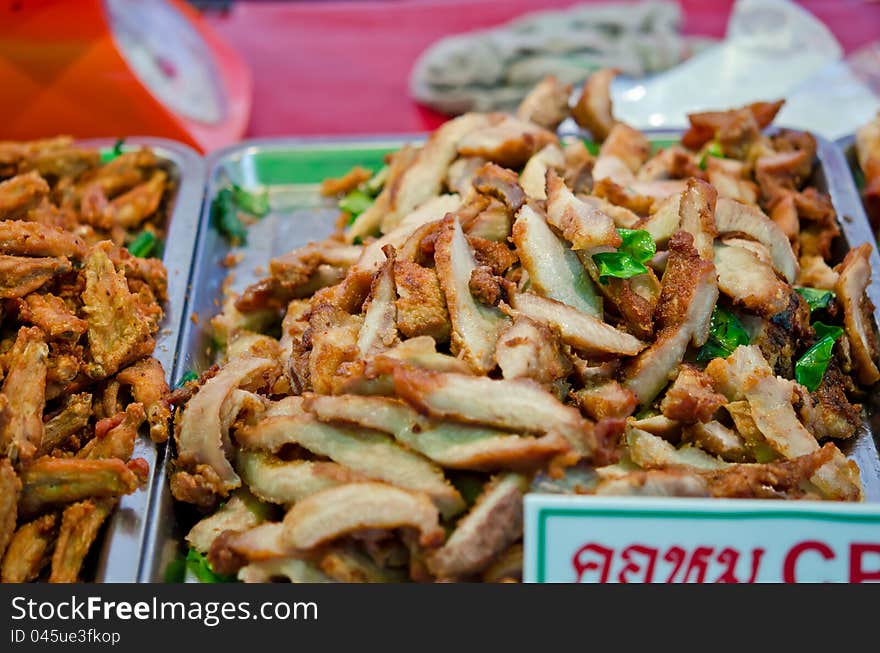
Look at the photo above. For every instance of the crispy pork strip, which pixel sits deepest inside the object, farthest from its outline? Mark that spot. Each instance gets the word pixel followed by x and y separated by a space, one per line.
pixel 80 524
pixel 372 454
pixel 70 420
pixel 664 221
pixel 369 222
pixel 855 275
pixel 20 194
pixel 652 452
pixel 816 273
pixel 422 352
pixel 20 238
pixel 655 483
pixel 348 565
pixel 493 524
pixel 423 179
pixel 285 482
pixel 115 436
pixel 626 144
pixel 735 217
pixel 529 350
pixel 291 569
pixel 532 179
pixel 546 105
pixel 202 440
pixel 233 548
pixel 582 224
pixel 734 129
pixel 475 327
pixel 482 400
pixel 10 489
pixel 30 550
pixel 23 396
pixel 119 332
pixel 729 375
pixel 421 306
pixel 750 282
pixel 672 162
pixel 49 482
pixel 20 275
pixel 53 316
pixel 509 142
pixel 608 399
pixel 718 440
pixel 691 398
pixel 555 271
pixel 379 330
pixel 593 108
pixel 149 387
pixel 355 507
pixel 688 296
pixel 579 162
pixel 696 210
pixel 500 183
pixel 452 445
pixel 460 175
pixel 333 334
pixel 241 513
pixel 574 327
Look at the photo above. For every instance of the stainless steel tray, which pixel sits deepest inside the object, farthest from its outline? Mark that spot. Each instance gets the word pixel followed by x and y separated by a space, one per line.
pixel 121 548
pixel 291 170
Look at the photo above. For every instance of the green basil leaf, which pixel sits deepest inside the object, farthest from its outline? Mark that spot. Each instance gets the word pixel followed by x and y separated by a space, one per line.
pixel 144 245
pixel 355 203
pixel 618 265
pixel 811 367
pixel 816 298
pixel 224 213
pixel 188 376
pixel 726 333
pixel 253 202
pixel 638 244
pixel 198 564
pixel 108 155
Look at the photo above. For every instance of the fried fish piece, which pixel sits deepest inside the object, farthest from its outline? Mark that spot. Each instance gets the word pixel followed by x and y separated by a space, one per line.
pixel 149 387
pixel 10 489
pixel 53 316
pixel 20 238
pixel 80 524
pixel 70 420
pixel 23 396
pixel 115 436
pixel 20 194
pixel 20 275
pixel 30 550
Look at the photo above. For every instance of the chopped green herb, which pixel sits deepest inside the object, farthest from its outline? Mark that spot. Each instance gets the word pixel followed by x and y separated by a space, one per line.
pixel 198 564
pixel 144 245
pixel 108 155
pixel 358 240
pixel 224 213
pixel 355 203
pixel 816 298
pixel 726 333
pixel 253 202
pixel 638 244
pixel 811 367
pixel 188 376
pixel 713 149
pixel 618 265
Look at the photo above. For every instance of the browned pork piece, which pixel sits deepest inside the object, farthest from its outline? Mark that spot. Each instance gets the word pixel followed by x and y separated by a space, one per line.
pixel 420 304
pixel 379 330
pixel 532 179
pixel 507 141
pixel 735 130
pixel 583 225
pixel 546 105
pixel 529 350
pixel 593 108
pixel 750 282
pixel 855 274
pixel 691 397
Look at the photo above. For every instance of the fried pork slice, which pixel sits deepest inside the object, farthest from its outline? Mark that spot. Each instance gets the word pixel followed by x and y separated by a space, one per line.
pixel 691 398
pixel 735 217
pixel 855 275
pixel 475 327
pixel 827 412
pixel 71 419
pixel 718 440
pixel 241 513
pixel 368 223
pixel 52 315
pixel 593 108
pixel 603 400
pixel 532 179
pixel 119 331
pixel 422 352
pixel 649 451
pixel 815 273
pixel 582 224
pixel 18 238
pixel 115 436
pixel 492 525
pixel 23 396
pixel 629 146
pixel 546 105
pixel 424 177
pixel 555 271
pixel 734 129
pixel 10 489
pixel 287 481
pixel 664 221
pixel 688 296
pixel 579 162
pixel 80 524
pixel 726 176
pixel 21 275
pixel 149 387
pixel 750 282
pixel 673 162
pixel 231 549
pixel 501 184
pixel 334 337
pixel 867 140
pixel 655 483
pixel 452 445
pixel 203 438
pixel 420 304
pixel 460 175
pixel 379 330
pixel 49 482
pixel 20 194
pixel 30 550
pixel 481 400
pixel 529 350
pixel 729 375
pixel 581 331
pixel 372 454
pixel 293 570
pixel 355 507
pixel 491 223
pixel 347 564
pixel 696 210
pixel 509 142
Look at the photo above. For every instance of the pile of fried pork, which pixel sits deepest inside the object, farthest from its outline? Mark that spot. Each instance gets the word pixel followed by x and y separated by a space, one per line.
pixel 513 311
pixel 79 317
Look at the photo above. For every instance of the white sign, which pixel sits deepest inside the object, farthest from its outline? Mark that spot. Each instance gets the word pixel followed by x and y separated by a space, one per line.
pixel 571 539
